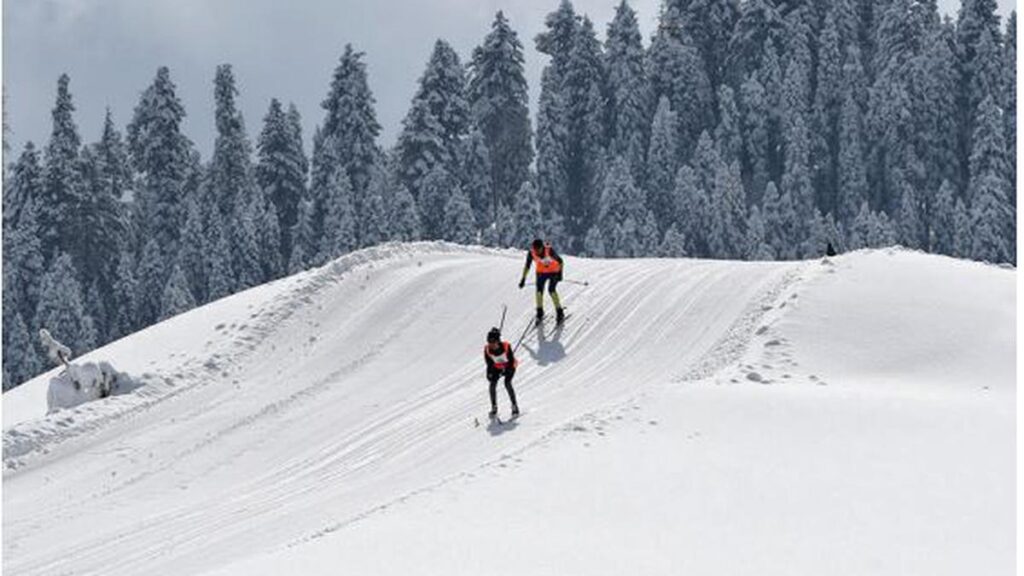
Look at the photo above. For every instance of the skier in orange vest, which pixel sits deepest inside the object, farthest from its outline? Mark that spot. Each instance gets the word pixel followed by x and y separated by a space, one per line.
pixel 501 361
pixel 549 272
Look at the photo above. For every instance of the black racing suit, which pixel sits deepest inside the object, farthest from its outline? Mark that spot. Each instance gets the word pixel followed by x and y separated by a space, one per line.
pixel 494 373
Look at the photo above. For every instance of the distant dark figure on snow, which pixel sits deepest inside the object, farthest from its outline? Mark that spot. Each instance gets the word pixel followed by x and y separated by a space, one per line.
pixel 549 271
pixel 501 361
pixel 829 250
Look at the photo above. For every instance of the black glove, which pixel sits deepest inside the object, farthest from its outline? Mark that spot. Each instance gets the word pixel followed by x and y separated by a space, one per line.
pixel 522 282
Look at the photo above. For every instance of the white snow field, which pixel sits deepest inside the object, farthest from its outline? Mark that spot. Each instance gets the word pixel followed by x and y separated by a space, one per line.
pixel 845 416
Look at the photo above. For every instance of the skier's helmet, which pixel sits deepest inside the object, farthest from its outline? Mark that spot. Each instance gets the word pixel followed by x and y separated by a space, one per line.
pixel 494 335
pixel 538 245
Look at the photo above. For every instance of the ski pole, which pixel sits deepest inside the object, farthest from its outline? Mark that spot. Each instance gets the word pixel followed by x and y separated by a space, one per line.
pixel 580 282
pixel 523 335
pixel 504 309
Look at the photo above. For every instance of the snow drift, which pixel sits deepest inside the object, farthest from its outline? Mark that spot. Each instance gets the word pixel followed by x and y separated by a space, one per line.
pixel 851 415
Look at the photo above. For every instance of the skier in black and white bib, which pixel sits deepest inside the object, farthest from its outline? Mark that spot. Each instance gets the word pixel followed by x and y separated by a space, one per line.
pixel 501 361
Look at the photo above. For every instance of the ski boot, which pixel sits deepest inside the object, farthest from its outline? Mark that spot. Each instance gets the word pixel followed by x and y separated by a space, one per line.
pixel 540 315
pixel 493 413
pixel 559 316
pixel 515 411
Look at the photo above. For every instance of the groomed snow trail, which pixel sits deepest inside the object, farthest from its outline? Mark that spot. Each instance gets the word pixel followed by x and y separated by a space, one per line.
pixel 296 408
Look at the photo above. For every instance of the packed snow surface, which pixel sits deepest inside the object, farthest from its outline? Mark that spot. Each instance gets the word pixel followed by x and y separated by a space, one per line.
pixel 845 416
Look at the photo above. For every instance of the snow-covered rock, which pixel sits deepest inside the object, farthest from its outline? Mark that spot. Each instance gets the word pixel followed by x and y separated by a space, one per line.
pixel 85 382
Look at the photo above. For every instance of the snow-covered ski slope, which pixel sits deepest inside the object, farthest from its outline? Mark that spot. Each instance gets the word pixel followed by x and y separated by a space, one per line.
pixel 844 416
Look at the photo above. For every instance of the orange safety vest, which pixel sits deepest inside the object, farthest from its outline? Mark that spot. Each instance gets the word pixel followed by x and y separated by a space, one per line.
pixel 500 359
pixel 545 264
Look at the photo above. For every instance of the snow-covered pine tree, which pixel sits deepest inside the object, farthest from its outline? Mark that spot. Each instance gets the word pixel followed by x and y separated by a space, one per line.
pixel 475 176
pixel 195 251
pixel 339 236
pixel 281 166
pixel 962 232
pixel 21 358
pixel 268 237
pixel 160 155
pixel 755 138
pixel 728 213
pixel 438 119
pixel 628 92
pixel 828 99
pixel 60 307
pixel 727 133
pixel 910 224
pixel 350 123
pixel 988 189
pixel 662 162
pixel 221 280
pixel 23 264
pixel 23 184
pixel 374 226
pixel 552 147
pixel 151 279
pixel 584 87
pixel 62 186
pixel 499 103
pixel 692 211
pixel 123 313
pixel 942 226
pixel 302 237
pixel 770 78
pixel 622 214
pixel 527 221
pixel 1009 85
pixel 673 245
pixel 756 247
pixel 758 20
pixel 852 184
pixel 99 222
pixel 405 217
pixel 676 71
pixel 177 297
pixel 437 187
pixel 459 223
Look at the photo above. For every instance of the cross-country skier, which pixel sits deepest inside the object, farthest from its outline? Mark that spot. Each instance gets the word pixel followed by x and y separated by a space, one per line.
pixel 549 272
pixel 500 362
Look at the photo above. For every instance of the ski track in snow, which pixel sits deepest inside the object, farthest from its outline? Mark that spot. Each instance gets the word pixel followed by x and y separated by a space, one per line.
pixel 351 388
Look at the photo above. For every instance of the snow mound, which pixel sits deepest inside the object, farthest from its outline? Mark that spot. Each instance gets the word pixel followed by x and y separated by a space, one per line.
pixel 81 383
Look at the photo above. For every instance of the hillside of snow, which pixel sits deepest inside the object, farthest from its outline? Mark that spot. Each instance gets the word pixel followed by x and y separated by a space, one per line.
pixel 845 416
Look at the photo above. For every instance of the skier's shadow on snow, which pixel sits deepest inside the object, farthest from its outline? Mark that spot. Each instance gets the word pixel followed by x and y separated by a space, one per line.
pixel 496 428
pixel 548 350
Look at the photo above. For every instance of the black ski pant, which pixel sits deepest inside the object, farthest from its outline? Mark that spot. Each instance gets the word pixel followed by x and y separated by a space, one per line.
pixel 492 377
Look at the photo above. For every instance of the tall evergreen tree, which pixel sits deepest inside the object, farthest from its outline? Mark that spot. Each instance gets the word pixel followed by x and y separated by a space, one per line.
pixel 176 297
pixel 727 236
pixel 992 217
pixel 281 167
pixel 755 156
pixel 676 71
pixel 62 187
pixel 160 155
pixel 24 185
pixel 943 226
pixel 405 217
pixel 123 313
pixel 475 176
pixel 459 224
pixel 629 95
pixel 60 307
pixel 552 147
pixel 527 216
pixel 692 211
pixel 350 123
pixel 339 237
pixel 757 22
pixel 438 120
pixel 500 107
pixel 662 159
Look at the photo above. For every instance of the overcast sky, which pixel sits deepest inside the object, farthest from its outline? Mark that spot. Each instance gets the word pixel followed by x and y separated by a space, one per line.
pixel 279 48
